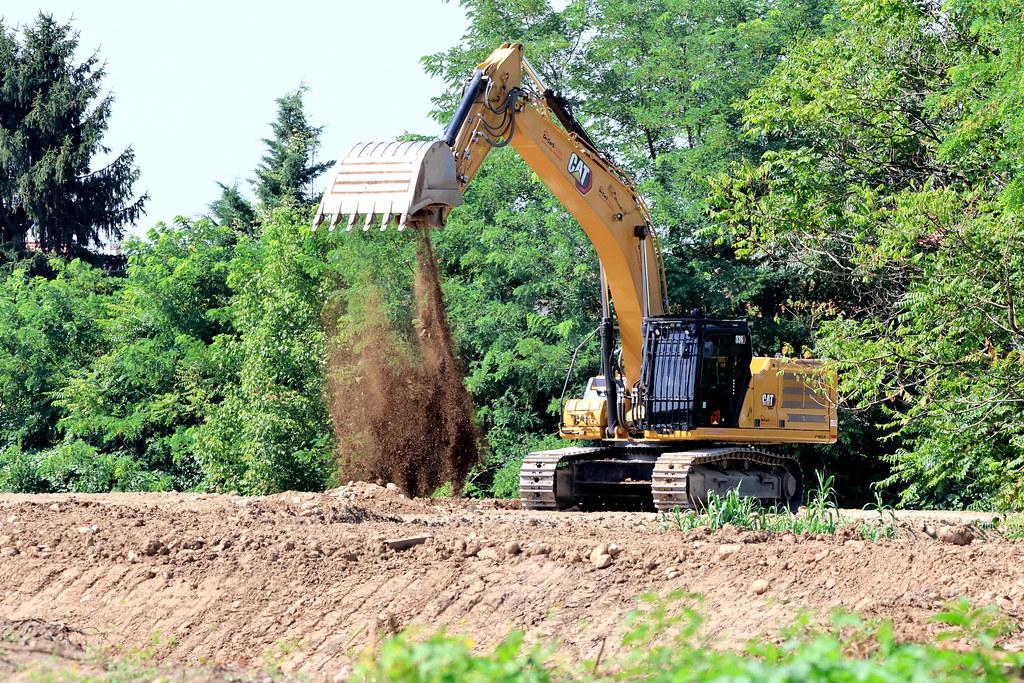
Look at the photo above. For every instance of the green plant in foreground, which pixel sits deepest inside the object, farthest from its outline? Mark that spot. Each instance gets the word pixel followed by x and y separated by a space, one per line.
pixel 1014 526
pixel 886 527
pixel 663 641
pixel 820 516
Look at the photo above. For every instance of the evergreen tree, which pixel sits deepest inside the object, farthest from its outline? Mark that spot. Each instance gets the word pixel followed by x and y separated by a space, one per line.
pixel 232 209
pixel 286 174
pixel 53 116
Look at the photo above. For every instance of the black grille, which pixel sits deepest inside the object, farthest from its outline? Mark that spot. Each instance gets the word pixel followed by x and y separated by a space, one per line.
pixel 695 372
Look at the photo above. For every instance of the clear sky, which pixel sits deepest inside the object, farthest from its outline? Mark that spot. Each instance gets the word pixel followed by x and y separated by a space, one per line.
pixel 194 82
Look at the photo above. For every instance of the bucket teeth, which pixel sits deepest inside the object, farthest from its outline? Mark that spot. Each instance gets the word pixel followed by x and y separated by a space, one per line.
pixel 414 181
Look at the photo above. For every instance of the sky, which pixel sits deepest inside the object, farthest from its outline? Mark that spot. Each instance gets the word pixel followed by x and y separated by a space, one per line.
pixel 194 83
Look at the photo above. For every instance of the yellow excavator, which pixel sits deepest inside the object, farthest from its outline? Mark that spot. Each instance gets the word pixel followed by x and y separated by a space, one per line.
pixel 681 407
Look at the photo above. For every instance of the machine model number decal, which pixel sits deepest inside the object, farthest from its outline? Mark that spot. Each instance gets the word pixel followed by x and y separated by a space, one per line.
pixel 551 143
pixel 579 170
pixel 768 400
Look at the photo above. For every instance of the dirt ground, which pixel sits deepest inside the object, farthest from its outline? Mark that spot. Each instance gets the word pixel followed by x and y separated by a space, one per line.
pixel 301 582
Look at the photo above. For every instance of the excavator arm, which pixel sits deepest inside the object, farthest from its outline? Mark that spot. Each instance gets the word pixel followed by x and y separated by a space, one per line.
pixel 499 108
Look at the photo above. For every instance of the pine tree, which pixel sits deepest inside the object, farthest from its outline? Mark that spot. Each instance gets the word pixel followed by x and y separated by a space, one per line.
pixel 286 174
pixel 53 116
pixel 232 209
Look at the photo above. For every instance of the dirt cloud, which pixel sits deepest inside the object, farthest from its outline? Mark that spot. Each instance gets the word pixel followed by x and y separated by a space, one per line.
pixel 400 410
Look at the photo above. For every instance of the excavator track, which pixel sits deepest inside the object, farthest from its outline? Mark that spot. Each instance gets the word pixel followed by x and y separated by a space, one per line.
pixel 671 478
pixel 538 475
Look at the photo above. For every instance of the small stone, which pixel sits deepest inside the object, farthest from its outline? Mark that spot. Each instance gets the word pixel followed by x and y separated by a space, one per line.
pixel 956 535
pixel 88 529
pixel 54 508
pixel 133 556
pixel 671 573
pixel 854 545
pixel 614 550
pixel 391 486
pixel 489 554
pixel 863 604
pixel 830 584
pixel 601 561
pixel 598 551
pixel 153 547
pixel 821 556
pixel 512 548
pixel 759 587
pixel 728 550
pixel 788 538
pixel 472 548
pixel 539 549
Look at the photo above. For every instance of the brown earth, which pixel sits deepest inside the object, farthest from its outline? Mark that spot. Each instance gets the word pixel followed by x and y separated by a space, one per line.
pixel 400 410
pixel 302 581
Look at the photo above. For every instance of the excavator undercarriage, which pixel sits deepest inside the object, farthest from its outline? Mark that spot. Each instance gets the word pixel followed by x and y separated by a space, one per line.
pixel 656 478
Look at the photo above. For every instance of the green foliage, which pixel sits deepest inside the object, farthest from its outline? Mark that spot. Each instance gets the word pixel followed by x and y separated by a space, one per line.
pixel 49 327
pixel 819 516
pixel 1014 526
pixel 144 397
pixel 863 159
pixel 443 658
pixel 663 641
pixel 897 189
pixel 285 175
pixel 271 431
pixel 233 209
pixel 53 115
pixel 886 524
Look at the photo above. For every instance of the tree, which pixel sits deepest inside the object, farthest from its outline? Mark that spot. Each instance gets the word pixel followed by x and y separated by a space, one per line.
pixel 233 210
pixel 53 116
pixel 286 174
pixel 271 432
pixel 900 185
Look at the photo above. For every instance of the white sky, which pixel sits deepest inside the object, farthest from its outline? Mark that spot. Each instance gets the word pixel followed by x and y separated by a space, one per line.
pixel 195 82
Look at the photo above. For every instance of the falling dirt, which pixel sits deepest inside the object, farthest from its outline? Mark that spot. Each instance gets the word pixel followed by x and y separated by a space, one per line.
pixel 400 411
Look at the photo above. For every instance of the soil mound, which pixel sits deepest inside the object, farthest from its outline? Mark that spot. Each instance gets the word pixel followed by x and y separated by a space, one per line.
pixel 400 411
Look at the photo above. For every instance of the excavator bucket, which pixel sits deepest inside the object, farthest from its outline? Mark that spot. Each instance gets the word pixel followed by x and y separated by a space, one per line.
pixel 408 184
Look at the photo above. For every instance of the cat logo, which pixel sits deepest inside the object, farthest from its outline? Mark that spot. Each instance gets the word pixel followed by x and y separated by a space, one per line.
pixel 768 400
pixel 579 170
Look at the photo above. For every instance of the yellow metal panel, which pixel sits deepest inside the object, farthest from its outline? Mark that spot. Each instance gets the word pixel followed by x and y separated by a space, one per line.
pixel 584 418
